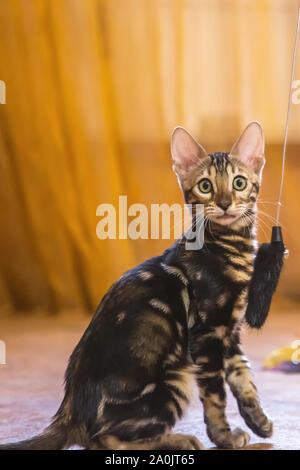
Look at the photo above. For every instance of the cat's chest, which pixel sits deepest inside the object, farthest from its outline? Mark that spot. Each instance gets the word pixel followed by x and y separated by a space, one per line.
pixel 217 316
pixel 235 254
pixel 219 271
pixel 218 289
pixel 238 267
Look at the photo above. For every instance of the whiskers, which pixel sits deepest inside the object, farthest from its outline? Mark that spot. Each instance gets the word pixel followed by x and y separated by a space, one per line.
pixel 199 223
pixel 260 217
pixel 264 220
pixel 248 217
pixel 267 202
pixel 245 218
pixel 266 214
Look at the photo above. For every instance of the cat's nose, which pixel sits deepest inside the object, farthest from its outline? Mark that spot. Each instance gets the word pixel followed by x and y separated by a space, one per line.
pixel 224 204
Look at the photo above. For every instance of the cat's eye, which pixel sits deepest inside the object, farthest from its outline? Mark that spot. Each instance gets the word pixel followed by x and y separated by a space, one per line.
pixel 239 183
pixel 205 186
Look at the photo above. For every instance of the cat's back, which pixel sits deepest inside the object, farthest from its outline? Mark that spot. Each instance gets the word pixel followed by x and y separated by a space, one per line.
pixel 140 319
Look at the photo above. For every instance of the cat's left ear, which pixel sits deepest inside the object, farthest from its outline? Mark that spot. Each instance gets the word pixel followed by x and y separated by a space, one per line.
pixel 250 147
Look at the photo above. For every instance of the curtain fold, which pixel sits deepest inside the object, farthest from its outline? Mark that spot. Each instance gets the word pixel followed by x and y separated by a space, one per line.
pixel 93 91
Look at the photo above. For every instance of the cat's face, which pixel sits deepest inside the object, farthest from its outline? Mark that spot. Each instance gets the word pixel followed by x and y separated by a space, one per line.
pixel 226 187
pixel 227 184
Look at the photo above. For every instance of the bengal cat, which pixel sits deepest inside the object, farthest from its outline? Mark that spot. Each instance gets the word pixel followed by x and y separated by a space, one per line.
pixel 171 322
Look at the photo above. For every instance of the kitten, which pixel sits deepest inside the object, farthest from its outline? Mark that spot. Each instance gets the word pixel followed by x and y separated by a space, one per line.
pixel 172 321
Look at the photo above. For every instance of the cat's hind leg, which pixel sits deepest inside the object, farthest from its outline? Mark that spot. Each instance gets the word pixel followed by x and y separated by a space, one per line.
pixel 164 442
pixel 145 422
pixel 240 381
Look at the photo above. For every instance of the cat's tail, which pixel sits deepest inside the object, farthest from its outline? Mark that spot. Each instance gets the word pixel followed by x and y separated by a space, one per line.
pixel 55 437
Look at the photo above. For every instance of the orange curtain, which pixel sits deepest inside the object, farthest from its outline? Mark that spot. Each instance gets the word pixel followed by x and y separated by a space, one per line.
pixel 93 91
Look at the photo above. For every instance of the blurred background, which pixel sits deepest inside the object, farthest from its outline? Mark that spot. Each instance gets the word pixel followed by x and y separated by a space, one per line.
pixel 94 89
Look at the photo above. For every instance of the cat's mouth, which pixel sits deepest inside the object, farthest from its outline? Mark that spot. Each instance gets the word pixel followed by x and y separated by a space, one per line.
pixel 225 219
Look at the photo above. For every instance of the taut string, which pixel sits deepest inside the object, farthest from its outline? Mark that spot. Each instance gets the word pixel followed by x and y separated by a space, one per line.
pixel 287 120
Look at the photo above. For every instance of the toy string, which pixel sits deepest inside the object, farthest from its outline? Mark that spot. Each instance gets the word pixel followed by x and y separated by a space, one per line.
pixel 287 120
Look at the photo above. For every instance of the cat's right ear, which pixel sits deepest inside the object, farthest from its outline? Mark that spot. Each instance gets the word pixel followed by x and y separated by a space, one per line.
pixel 186 152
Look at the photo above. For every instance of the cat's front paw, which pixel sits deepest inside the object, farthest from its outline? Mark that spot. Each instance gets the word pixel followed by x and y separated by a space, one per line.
pixel 240 438
pixel 255 418
pixel 266 429
pixel 232 440
pixel 263 427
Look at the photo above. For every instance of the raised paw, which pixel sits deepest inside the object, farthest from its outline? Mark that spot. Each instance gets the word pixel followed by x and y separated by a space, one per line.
pixel 262 427
pixel 266 429
pixel 180 442
pixel 257 421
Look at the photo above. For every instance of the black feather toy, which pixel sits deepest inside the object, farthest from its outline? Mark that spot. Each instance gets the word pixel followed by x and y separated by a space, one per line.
pixel 267 268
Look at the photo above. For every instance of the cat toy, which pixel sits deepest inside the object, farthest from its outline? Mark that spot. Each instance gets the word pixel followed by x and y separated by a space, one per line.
pixel 269 259
pixel 285 359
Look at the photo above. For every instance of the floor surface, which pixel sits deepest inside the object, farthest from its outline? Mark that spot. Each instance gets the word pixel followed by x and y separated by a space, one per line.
pixel 37 350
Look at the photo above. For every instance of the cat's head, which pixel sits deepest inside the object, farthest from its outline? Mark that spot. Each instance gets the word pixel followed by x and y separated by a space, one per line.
pixel 227 184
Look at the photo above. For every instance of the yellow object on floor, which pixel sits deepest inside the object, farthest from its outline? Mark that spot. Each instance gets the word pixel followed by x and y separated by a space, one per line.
pixel 286 358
